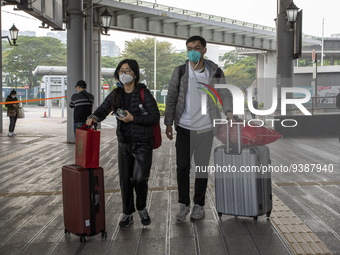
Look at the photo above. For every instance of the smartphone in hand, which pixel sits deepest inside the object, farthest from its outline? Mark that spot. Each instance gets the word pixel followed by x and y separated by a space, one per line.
pixel 120 113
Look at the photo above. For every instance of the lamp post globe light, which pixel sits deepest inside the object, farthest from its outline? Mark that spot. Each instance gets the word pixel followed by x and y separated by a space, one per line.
pixel 292 12
pixel 105 20
pixel 13 32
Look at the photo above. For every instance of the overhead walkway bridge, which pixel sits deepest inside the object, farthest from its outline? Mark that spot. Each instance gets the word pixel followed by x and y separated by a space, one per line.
pixel 161 20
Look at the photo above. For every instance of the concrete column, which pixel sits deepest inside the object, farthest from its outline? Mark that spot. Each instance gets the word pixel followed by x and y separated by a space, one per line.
pixel 89 46
pixel 75 56
pixel 284 47
pixel 266 79
pixel 97 78
pixel 92 55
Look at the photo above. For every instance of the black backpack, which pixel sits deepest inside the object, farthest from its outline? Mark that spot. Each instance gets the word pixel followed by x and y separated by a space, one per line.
pixel 337 102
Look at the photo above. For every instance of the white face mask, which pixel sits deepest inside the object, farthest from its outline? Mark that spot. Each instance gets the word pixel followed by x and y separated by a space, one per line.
pixel 125 78
pixel 12 96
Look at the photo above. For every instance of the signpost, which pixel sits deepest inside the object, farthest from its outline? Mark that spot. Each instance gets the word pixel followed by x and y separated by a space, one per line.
pixel 105 87
pixel 314 80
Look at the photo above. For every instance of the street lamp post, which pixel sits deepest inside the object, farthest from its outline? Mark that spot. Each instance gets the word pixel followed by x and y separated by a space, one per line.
pixel 105 21
pixel 13 31
pixel 287 13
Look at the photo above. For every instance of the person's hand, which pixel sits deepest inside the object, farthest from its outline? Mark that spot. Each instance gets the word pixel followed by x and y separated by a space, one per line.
pixel 168 132
pixel 127 118
pixel 90 121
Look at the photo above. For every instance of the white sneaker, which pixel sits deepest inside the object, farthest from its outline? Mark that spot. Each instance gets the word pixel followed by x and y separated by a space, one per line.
pixel 197 212
pixel 183 212
pixel 10 134
pixel 13 134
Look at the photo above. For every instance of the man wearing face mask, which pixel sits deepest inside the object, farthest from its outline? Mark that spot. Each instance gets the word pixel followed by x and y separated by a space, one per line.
pixel 194 121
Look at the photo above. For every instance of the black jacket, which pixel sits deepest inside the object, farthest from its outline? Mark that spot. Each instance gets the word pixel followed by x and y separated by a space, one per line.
pixel 82 103
pixel 11 106
pixel 141 126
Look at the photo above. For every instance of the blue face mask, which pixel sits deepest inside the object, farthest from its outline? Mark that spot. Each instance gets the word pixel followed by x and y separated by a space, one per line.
pixel 194 56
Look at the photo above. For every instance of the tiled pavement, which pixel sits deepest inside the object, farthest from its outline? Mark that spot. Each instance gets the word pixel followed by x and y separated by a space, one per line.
pixel 305 217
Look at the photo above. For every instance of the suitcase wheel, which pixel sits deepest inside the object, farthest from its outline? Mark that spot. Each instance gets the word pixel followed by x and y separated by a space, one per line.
pixel 219 215
pixel 268 214
pixel 66 231
pixel 255 218
pixel 104 235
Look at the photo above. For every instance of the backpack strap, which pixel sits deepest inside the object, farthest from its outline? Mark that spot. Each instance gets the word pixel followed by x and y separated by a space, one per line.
pixel 181 72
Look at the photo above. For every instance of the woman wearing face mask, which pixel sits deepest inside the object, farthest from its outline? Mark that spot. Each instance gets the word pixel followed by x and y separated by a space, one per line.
pixel 12 111
pixel 134 134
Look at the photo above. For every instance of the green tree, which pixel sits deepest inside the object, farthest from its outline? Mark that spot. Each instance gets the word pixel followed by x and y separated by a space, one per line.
pixel 20 62
pixel 142 50
pixel 237 76
pixel 305 62
pixel 231 58
pixel 239 70
pixel 110 62
pixel 179 58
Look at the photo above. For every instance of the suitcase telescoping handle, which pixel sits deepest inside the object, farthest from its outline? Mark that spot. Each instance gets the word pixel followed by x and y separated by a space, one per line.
pixel 228 149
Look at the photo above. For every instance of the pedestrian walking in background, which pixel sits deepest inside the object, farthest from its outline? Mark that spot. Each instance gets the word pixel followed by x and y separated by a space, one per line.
pixel 12 111
pixel 256 106
pixel 82 102
pixel 194 129
pixel 135 137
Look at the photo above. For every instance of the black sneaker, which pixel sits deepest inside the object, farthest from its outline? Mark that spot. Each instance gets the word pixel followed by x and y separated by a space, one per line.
pixel 144 216
pixel 126 220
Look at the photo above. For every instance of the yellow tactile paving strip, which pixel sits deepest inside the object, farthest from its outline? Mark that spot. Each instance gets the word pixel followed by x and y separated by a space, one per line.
pixel 297 234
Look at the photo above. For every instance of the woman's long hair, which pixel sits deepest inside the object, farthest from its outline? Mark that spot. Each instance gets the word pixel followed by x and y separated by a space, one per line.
pixel 117 92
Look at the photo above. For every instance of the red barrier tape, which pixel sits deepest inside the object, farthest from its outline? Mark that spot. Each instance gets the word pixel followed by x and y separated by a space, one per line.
pixel 31 100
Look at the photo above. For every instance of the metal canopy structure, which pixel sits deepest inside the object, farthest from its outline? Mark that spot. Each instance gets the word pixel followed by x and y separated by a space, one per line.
pixel 160 20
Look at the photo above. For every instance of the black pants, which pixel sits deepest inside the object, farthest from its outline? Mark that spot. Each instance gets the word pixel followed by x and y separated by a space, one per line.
pixel 188 144
pixel 12 121
pixel 134 163
pixel 77 125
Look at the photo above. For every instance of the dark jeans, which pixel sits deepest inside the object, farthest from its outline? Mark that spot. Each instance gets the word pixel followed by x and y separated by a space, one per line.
pixel 188 144
pixel 134 163
pixel 78 125
pixel 12 121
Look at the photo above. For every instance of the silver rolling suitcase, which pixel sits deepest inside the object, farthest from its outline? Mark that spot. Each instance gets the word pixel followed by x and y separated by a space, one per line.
pixel 242 186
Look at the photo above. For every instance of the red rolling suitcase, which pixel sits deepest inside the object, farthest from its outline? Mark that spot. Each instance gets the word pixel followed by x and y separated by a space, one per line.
pixel 83 201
